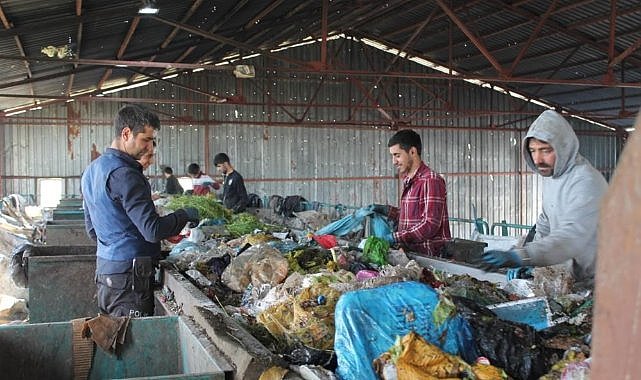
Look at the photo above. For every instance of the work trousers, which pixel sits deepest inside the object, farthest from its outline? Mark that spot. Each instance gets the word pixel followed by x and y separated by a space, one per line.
pixel 127 294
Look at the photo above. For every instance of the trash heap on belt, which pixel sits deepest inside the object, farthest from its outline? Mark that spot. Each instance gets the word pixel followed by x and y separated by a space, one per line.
pixel 371 312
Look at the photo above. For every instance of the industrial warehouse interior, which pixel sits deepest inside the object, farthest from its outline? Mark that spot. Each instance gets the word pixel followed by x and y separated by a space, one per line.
pixel 326 189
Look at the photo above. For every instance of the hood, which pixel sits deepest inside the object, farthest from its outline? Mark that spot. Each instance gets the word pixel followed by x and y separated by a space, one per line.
pixel 556 131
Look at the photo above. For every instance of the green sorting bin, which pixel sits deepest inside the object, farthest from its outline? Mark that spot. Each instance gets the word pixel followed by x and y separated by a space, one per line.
pixel 154 348
pixel 61 283
pixel 66 232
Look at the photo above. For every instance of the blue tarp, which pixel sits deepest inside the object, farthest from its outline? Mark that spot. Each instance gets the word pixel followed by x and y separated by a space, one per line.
pixel 368 321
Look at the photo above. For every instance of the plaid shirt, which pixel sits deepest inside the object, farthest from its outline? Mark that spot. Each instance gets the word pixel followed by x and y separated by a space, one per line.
pixel 423 223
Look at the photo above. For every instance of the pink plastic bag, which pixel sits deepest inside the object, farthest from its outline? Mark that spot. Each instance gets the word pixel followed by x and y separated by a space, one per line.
pixel 366 274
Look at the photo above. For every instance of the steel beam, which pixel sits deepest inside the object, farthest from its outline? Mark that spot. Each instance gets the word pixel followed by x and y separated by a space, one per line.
pixel 475 40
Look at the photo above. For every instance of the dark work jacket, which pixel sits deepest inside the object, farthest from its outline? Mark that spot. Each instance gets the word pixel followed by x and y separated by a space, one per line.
pixel 234 192
pixel 173 186
pixel 119 212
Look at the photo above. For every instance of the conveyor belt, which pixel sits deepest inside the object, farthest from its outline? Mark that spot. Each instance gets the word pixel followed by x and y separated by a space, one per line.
pixel 459 268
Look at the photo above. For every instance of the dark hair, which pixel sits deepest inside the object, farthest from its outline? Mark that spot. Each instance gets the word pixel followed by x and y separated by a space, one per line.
pixel 168 170
pixel 193 168
pixel 221 158
pixel 407 139
pixel 136 118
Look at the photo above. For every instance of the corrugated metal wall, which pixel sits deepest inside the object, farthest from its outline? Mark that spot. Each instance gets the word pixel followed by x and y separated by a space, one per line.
pixel 335 153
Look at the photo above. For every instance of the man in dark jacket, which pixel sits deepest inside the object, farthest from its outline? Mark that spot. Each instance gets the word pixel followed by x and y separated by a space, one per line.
pixel 234 192
pixel 172 186
pixel 120 216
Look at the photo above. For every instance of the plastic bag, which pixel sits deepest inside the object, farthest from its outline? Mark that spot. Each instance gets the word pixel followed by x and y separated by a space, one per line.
pixel 552 281
pixel 196 235
pixel 196 256
pixel 346 225
pixel 379 225
pixel 411 271
pixel 186 245
pixel 306 318
pixel 326 241
pixel 308 260
pixel 517 348
pixel 368 321
pixel 415 358
pixel 299 354
pixel 366 274
pixel 258 265
pixel 577 371
pixel 375 251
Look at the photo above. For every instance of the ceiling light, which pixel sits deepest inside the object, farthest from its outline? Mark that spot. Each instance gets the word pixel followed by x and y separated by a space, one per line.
pixel 14 113
pixel 148 8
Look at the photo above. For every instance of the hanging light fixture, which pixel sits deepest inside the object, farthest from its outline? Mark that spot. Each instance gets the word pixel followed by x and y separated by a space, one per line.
pixel 148 8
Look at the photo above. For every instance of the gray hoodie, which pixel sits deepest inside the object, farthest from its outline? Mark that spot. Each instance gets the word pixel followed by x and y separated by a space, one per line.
pixel 566 229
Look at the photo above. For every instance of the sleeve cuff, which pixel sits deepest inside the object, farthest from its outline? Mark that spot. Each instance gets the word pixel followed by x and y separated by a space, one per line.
pixel 525 258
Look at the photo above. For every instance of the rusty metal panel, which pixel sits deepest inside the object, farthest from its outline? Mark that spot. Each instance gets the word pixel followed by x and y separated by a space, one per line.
pixel 286 147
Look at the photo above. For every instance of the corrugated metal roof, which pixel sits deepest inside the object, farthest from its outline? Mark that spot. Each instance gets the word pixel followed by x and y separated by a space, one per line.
pixel 570 51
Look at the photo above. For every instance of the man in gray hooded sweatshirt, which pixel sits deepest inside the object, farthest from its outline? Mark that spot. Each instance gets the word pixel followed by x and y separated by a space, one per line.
pixel 566 229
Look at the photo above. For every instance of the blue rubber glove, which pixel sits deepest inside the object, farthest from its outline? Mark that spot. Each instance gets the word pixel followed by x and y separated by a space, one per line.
pixel 496 259
pixel 389 238
pixel 193 216
pixel 520 272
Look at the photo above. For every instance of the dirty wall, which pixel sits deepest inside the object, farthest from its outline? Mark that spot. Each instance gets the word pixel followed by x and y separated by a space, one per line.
pixel 319 136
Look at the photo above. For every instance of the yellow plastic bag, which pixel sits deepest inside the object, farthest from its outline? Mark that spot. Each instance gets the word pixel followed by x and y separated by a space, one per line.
pixel 416 359
pixel 303 318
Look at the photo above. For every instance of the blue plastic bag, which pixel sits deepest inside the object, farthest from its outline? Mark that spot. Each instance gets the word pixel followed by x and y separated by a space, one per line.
pixel 346 225
pixel 379 226
pixel 368 321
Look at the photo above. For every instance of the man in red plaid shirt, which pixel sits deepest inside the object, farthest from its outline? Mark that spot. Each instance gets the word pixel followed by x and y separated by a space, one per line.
pixel 423 223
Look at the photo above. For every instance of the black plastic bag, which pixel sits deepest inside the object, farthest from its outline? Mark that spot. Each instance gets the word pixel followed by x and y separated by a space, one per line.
pixel 516 348
pixel 217 265
pixel 292 204
pixel 253 200
pixel 299 354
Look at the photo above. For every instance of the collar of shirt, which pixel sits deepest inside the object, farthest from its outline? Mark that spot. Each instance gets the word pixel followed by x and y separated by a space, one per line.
pixel 125 156
pixel 407 181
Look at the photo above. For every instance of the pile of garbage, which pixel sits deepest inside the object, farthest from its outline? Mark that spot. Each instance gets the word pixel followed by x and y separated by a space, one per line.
pixel 353 307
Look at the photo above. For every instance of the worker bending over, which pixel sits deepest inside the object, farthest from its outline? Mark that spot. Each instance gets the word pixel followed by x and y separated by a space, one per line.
pixel 202 184
pixel 566 229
